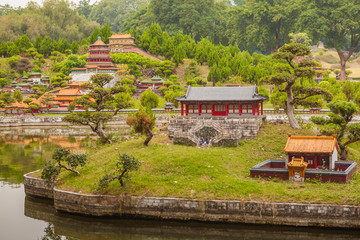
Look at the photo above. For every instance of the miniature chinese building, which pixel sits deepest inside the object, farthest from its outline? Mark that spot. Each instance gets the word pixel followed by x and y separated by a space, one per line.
pixel 168 107
pixel 65 96
pixel 221 116
pixel 125 43
pixel 99 59
pixel 297 168
pixel 120 41
pixel 318 151
pixel 154 84
pixel 222 101
pixel 78 85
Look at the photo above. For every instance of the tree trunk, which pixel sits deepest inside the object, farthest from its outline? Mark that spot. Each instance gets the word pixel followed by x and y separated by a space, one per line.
pixel 342 66
pixel 150 135
pixel 278 38
pixel 343 153
pixel 290 109
pixel 101 133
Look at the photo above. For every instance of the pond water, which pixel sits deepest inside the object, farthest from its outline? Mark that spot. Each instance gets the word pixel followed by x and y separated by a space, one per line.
pixel 23 217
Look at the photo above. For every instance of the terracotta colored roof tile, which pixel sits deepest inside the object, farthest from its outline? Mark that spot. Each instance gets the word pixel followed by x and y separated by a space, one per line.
pixel 125 35
pixel 311 144
pixel 76 83
pixel 69 92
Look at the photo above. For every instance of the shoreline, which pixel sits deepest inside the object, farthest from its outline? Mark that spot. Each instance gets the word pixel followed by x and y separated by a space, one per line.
pixel 226 211
pixel 46 121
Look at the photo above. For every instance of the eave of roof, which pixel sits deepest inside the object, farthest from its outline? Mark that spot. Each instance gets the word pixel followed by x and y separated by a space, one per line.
pixel 222 94
pixel 311 144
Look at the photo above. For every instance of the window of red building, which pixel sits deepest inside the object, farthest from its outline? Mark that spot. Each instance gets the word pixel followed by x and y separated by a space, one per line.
pixel 233 108
pixel 193 108
pixel 206 108
pixel 247 108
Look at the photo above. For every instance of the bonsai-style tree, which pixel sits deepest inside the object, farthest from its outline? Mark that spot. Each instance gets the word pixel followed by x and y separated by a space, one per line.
pixel 96 102
pixel 338 123
pixel 142 122
pixel 149 99
pixel 65 159
pixel 31 106
pixel 46 99
pixel 17 96
pixel 125 164
pixel 289 72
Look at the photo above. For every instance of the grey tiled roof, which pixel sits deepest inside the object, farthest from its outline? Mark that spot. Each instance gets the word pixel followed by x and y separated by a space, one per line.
pixel 221 94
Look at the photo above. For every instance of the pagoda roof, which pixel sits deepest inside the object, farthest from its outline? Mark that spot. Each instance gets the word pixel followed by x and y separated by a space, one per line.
pixel 124 35
pixel 222 94
pixel 99 42
pixel 78 83
pixel 311 144
pixel 68 92
pixel 34 73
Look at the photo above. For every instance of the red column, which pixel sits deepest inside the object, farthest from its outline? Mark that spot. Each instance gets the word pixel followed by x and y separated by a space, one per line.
pixel 186 109
pixel 257 108
pixel 212 109
pixel 261 108
pixel 199 109
pixel 240 109
pixel 182 109
pixel 227 109
pixel 253 109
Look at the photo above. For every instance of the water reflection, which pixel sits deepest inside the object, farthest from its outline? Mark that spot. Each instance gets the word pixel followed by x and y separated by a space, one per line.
pixel 80 227
pixel 20 154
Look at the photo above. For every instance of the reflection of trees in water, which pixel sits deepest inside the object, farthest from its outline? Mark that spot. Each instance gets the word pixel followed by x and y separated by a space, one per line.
pixel 51 235
pixel 22 154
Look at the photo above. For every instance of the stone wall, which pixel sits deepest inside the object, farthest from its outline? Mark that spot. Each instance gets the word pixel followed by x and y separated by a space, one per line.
pixel 294 214
pixel 95 205
pixel 37 187
pixel 218 131
pixel 27 120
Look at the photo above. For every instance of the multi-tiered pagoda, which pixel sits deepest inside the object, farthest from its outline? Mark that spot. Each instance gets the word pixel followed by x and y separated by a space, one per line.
pixel 99 59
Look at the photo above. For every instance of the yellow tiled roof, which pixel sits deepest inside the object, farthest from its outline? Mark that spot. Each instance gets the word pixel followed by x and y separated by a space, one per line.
pixel 311 144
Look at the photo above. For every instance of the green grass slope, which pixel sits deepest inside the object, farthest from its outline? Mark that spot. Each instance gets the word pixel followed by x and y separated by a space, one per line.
pixel 217 173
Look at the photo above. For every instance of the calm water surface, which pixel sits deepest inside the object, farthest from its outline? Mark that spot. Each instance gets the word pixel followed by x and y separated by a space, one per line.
pixel 29 218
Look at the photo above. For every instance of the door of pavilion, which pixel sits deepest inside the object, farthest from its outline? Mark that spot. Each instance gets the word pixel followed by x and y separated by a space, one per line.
pixel 219 110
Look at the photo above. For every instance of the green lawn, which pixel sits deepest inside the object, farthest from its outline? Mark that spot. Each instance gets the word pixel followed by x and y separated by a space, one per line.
pixel 217 173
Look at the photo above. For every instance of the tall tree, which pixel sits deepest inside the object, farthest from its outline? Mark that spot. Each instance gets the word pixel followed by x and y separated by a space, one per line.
pixel 47 46
pixel 335 22
pixel 338 123
pixel 287 77
pixel 96 102
pixel 263 24
pixel 114 12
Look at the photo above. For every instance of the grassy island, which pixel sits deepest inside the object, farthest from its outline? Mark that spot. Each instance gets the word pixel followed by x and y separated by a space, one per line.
pixel 169 170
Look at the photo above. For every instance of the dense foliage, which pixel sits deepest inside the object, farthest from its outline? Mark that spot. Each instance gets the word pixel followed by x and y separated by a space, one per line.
pixel 124 165
pixel 338 123
pixel 101 104
pixel 62 158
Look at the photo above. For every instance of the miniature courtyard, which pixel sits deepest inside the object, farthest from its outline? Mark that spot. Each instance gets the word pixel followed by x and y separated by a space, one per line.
pixel 215 173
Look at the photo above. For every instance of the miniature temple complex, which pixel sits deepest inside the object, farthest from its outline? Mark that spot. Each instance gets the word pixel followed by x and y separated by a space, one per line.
pixel 307 157
pixel 154 84
pixel 219 116
pixel 222 101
